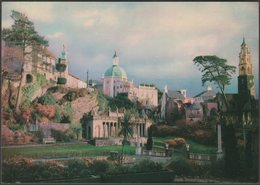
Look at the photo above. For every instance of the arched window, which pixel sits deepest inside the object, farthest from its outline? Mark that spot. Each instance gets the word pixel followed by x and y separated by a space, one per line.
pixel 243 70
pixel 29 78
pixel 248 70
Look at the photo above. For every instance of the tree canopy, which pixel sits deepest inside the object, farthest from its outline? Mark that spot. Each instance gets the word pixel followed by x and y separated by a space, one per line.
pixel 22 33
pixel 215 70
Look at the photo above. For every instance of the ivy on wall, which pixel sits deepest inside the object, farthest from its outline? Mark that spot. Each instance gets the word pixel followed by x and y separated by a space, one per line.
pixel 29 89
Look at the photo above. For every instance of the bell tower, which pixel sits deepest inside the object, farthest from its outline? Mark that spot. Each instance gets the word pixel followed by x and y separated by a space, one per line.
pixel 246 85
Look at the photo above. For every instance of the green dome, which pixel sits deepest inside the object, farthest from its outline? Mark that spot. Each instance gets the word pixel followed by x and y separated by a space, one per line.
pixel 116 71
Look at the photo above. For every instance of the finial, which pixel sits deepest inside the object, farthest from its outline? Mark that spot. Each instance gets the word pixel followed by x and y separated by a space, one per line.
pixel 244 42
pixel 165 89
pixel 115 55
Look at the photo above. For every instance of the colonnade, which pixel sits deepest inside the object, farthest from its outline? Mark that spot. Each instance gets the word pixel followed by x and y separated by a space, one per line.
pixel 112 129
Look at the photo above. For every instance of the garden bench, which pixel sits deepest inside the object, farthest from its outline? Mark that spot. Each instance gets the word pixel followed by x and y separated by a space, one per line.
pixel 48 140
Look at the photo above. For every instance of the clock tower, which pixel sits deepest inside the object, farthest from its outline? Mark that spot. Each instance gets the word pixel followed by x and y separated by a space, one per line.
pixel 246 85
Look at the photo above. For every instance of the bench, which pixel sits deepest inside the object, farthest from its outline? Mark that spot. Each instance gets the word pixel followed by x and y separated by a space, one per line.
pixel 48 140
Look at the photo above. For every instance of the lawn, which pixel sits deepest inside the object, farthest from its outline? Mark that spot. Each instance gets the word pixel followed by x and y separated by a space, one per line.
pixel 86 150
pixel 194 146
pixel 77 150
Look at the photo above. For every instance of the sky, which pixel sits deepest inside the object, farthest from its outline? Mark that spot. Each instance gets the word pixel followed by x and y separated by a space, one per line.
pixel 156 41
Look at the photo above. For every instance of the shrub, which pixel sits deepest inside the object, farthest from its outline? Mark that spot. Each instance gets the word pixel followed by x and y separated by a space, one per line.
pixel 149 144
pixel 46 110
pixel 60 67
pixel 61 136
pixel 60 89
pixel 181 167
pixel 38 135
pixel 176 143
pixel 58 115
pixel 61 81
pixel 147 166
pixel 76 168
pixel 26 114
pixel 47 99
pixel 99 167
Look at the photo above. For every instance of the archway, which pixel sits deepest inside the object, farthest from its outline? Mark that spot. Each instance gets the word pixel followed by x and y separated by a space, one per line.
pixel 29 78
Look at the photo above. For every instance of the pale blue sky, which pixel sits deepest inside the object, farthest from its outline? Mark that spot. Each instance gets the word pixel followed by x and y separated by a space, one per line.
pixel 156 41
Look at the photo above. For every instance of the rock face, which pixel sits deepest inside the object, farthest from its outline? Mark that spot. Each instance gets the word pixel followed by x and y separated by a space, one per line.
pixel 84 105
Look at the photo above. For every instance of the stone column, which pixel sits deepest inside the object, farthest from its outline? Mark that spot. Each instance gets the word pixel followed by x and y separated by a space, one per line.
pixel 219 139
pixel 104 133
pixel 219 152
pixel 107 125
pixel 143 129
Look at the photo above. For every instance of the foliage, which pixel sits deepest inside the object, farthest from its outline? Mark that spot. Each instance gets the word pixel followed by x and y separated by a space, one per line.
pixel 61 81
pixel 29 89
pixel 121 101
pixel 76 167
pixel 147 166
pixel 231 151
pixel 22 32
pixel 99 167
pixel 215 70
pixel 64 113
pixel 47 99
pixel 61 67
pixel 176 143
pixel 196 132
pixel 26 114
pixel 45 110
pixel 60 89
pixel 67 113
pixel 58 115
pixel 76 128
pixel 126 130
pixel 181 167
pixel 149 144
pixel 15 127
pixel 83 121
pixel 147 85
pixel 61 136
pixel 39 136
pixel 102 101
pixel 24 170
pixel 72 95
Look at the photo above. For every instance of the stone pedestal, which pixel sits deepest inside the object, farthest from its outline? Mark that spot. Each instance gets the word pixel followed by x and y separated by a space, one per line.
pixel 220 155
pixel 138 150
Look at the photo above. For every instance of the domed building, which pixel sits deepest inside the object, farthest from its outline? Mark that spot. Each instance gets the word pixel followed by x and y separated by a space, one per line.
pixel 115 79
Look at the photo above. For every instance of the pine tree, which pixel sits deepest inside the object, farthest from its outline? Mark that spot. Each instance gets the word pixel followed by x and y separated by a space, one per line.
pixel 22 34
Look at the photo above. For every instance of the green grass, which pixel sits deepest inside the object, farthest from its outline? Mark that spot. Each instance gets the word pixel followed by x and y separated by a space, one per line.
pixel 194 146
pixel 78 150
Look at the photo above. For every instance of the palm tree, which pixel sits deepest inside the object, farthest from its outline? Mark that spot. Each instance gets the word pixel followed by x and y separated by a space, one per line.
pixel 126 131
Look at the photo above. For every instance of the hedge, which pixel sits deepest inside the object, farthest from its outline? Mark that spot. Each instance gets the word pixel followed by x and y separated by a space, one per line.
pixel 62 80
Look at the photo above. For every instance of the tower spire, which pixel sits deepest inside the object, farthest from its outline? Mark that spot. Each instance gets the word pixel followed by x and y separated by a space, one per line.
pixel 115 59
pixel 244 42
pixel 115 55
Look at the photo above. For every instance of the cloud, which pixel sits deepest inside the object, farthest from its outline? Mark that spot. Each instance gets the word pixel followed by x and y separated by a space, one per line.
pixel 155 40
pixel 36 11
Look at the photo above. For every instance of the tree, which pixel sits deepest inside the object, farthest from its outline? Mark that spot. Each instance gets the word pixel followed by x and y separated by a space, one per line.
pixel 126 130
pixel 22 34
pixel 120 101
pixel 149 144
pixel 216 70
pixel 76 128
